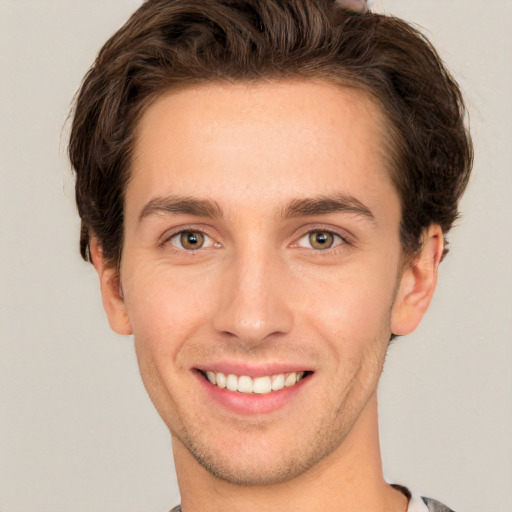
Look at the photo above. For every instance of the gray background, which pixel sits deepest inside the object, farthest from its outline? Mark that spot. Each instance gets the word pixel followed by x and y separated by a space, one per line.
pixel 77 432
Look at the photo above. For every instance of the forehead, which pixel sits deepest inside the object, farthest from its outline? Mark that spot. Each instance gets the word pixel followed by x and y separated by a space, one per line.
pixel 261 143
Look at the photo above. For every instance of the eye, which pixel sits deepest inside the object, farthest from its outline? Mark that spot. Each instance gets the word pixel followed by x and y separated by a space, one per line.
pixel 190 240
pixel 320 240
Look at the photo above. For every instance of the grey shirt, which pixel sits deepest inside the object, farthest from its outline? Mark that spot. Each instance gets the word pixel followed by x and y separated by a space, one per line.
pixel 416 503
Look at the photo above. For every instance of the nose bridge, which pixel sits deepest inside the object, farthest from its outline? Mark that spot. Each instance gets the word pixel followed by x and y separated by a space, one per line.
pixel 254 304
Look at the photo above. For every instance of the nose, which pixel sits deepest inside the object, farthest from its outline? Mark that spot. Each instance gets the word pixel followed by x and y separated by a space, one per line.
pixel 253 303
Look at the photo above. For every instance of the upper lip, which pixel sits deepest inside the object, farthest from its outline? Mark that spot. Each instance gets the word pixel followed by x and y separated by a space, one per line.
pixel 252 370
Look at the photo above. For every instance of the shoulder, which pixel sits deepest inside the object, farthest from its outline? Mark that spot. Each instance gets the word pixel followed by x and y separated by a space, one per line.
pixel 428 504
pixel 418 503
pixel 435 506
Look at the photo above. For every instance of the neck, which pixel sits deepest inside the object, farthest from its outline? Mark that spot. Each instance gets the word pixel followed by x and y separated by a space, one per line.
pixel 349 479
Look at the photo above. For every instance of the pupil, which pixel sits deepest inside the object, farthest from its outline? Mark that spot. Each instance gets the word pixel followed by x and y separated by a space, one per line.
pixel 321 240
pixel 191 240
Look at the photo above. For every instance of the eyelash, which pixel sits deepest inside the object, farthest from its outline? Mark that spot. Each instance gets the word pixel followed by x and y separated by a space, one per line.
pixel 339 240
pixel 175 236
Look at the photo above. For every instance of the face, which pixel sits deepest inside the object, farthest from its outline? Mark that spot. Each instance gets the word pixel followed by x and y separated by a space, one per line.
pixel 261 272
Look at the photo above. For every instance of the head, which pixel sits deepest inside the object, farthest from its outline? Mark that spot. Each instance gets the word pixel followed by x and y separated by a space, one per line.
pixel 264 189
pixel 171 45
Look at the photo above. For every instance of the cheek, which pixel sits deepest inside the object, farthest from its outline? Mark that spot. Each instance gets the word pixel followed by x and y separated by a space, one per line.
pixel 164 307
pixel 360 294
pixel 352 310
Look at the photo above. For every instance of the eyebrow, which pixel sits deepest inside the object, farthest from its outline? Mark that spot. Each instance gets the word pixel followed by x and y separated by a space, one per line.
pixel 318 205
pixel 325 204
pixel 183 205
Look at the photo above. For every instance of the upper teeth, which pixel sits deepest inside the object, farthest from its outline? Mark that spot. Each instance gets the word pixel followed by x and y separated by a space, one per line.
pixel 261 385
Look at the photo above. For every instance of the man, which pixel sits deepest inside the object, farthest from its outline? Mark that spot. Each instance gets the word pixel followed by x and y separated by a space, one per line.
pixel 265 187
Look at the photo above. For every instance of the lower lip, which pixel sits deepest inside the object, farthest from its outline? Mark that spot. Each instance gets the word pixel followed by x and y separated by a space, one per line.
pixel 251 403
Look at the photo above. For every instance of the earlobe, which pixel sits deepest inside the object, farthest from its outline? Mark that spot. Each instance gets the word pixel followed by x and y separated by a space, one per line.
pixel 417 283
pixel 111 291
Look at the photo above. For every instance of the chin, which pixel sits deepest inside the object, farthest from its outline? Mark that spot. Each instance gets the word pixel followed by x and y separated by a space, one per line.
pixel 260 463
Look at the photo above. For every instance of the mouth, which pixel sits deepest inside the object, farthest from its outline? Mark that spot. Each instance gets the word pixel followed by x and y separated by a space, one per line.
pixel 262 385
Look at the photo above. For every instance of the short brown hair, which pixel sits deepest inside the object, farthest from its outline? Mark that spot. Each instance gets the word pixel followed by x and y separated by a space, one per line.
pixel 170 44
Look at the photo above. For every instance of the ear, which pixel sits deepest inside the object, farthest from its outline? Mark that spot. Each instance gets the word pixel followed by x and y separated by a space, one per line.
pixel 111 292
pixel 417 283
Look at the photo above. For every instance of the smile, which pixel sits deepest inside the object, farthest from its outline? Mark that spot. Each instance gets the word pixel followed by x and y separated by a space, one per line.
pixel 257 385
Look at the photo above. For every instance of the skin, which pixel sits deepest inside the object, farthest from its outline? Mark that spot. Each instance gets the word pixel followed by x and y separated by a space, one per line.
pixel 258 292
